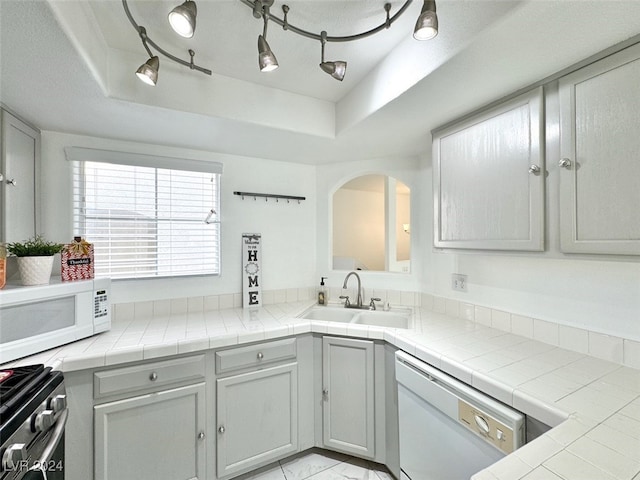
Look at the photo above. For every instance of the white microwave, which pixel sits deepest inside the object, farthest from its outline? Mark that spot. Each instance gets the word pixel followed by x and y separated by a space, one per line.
pixel 35 319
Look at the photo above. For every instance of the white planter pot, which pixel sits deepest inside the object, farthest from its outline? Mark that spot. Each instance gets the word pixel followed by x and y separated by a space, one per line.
pixel 35 270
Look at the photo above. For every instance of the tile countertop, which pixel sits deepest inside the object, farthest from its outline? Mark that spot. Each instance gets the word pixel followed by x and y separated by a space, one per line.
pixel 593 404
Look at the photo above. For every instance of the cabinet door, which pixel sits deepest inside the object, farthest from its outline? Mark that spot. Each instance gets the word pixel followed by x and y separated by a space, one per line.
pixel 348 389
pixel 155 436
pixel 489 179
pixel 257 414
pixel 600 167
pixel 18 192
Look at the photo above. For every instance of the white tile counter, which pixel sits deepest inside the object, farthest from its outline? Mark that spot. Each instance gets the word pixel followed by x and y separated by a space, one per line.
pixel 593 404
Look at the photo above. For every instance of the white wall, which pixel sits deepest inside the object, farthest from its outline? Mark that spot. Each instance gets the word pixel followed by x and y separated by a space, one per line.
pixel 593 292
pixel 599 293
pixel 359 227
pixel 288 229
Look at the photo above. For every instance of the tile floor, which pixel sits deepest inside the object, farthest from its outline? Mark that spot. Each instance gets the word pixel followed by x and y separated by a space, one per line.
pixel 317 464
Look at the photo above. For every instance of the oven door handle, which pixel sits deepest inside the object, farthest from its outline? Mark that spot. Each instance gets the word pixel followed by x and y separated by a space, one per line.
pixel 56 436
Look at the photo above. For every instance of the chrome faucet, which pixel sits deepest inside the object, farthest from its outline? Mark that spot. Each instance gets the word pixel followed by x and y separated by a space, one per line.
pixel 359 298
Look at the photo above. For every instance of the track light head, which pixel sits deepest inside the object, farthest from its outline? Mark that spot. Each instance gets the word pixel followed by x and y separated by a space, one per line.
pixel 183 18
pixel 148 71
pixel 427 25
pixel 267 61
pixel 335 69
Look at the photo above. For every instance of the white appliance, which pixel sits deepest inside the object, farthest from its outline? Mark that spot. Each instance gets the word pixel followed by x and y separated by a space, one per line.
pixel 448 430
pixel 35 319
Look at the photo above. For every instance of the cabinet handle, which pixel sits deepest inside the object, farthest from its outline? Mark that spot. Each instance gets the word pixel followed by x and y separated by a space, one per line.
pixel 11 182
pixel 325 392
pixel 564 163
pixel 221 429
pixel 260 356
pixel 201 436
pixel 153 377
pixel 535 169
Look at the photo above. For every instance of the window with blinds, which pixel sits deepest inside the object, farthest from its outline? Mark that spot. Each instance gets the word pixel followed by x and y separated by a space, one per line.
pixel 146 221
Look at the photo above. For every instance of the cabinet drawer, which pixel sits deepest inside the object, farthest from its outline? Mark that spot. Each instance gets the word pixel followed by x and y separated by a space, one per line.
pixel 149 375
pixel 254 355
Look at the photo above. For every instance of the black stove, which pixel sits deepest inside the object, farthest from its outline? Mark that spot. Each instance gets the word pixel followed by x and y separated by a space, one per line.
pixel 33 413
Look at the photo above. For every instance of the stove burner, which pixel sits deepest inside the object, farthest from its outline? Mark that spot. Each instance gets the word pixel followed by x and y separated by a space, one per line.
pixel 4 374
pixel 18 384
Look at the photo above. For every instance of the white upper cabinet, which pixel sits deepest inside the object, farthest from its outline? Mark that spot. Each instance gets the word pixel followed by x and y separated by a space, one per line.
pixel 20 159
pixel 489 178
pixel 600 156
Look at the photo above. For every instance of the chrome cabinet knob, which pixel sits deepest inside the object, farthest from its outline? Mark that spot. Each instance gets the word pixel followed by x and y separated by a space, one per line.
pixel 43 421
pixel 325 392
pixel 13 455
pixel 221 429
pixel 11 182
pixel 535 169
pixel 260 356
pixel 201 436
pixel 564 163
pixel 153 377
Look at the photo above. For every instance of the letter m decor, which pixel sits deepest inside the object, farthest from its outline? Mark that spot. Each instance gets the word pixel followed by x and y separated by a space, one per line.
pixel 251 272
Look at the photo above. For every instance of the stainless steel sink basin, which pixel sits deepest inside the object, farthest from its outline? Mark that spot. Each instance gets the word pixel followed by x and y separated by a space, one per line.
pixel 396 318
pixel 383 319
pixel 329 314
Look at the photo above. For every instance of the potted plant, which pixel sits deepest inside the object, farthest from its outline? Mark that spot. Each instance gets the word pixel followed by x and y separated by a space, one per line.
pixel 35 259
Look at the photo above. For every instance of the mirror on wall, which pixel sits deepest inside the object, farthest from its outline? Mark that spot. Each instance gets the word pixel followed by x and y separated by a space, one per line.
pixel 371 225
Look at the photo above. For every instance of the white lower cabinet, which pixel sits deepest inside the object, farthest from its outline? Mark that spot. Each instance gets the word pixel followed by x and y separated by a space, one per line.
pixel 257 415
pixel 156 436
pixel 348 407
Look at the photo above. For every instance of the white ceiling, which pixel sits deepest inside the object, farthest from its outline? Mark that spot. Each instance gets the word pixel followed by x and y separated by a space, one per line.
pixel 68 66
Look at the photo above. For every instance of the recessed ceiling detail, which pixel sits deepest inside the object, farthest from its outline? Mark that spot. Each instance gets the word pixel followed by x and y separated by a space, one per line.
pixel 396 92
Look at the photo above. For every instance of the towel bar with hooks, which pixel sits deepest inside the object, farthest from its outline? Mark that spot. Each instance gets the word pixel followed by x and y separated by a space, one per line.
pixel 267 196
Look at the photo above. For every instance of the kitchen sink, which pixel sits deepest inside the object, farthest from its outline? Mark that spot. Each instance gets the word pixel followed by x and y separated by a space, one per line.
pixel 330 314
pixel 383 319
pixel 396 318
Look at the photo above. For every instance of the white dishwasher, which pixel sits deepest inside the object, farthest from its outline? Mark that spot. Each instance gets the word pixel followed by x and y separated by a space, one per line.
pixel 448 430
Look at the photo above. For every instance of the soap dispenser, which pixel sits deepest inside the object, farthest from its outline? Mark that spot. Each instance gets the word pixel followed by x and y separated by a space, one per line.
pixel 322 292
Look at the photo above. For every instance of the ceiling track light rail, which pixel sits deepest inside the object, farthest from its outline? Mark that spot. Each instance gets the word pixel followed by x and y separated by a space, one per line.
pixel 283 22
pixel 183 21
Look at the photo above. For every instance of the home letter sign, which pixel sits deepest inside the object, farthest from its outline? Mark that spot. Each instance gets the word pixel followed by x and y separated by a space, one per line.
pixel 251 274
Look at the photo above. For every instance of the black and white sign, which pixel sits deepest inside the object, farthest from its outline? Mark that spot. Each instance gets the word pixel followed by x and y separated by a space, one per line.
pixel 251 273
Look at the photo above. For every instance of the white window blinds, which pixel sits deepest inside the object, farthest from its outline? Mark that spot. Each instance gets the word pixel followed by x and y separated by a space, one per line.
pixel 146 221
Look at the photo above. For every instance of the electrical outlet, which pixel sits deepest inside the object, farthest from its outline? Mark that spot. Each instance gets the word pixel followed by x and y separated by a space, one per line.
pixel 459 282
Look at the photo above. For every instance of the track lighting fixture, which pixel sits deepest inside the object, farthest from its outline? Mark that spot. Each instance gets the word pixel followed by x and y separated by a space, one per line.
pixel 335 69
pixel 267 61
pixel 183 20
pixel 148 71
pixel 427 25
